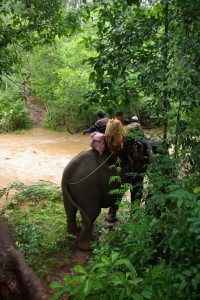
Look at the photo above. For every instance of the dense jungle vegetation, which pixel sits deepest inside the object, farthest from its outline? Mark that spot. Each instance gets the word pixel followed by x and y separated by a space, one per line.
pixel 140 56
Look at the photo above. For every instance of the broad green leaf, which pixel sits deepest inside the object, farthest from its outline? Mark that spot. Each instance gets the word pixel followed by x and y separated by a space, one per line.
pixel 137 296
pixel 114 256
pixel 80 269
pixel 127 263
pixel 147 294
pixel 58 294
pixel 87 287
pixel 55 284
pixel 155 271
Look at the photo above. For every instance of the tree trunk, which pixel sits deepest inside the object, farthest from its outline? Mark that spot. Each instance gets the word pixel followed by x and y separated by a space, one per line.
pixel 165 77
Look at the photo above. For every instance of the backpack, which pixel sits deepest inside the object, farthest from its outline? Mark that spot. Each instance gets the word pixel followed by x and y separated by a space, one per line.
pixel 98 141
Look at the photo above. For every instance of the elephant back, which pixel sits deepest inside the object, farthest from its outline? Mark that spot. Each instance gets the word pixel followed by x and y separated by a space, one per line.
pixel 133 151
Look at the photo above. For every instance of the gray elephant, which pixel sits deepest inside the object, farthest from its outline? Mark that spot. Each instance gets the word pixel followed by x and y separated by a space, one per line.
pixel 86 187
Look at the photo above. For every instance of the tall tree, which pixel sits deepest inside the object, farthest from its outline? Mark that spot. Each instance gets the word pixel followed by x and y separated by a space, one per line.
pixel 148 48
pixel 27 23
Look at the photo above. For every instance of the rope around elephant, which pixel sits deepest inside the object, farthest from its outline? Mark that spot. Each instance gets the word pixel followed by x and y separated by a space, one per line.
pixel 81 180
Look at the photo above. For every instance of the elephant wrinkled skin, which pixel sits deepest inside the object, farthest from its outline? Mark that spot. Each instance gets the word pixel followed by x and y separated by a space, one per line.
pixel 86 187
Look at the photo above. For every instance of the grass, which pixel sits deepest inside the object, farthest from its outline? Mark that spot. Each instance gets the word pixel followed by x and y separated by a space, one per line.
pixel 36 216
pixel 37 219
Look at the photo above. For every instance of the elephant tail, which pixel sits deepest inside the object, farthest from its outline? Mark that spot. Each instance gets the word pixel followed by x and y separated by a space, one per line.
pixel 67 195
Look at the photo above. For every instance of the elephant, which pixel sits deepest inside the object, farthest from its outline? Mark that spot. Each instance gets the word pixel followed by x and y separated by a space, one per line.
pixel 85 186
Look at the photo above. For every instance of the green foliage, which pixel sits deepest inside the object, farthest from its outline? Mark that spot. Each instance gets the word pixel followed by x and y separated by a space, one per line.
pixel 148 53
pixel 13 111
pixel 111 278
pixel 28 244
pixel 37 218
pixel 26 24
pixel 60 79
pixel 124 187
pixel 32 194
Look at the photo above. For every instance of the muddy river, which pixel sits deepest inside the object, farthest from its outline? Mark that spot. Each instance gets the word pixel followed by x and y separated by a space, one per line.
pixel 38 154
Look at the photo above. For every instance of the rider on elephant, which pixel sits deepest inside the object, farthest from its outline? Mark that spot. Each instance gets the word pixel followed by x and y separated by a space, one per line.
pixel 135 129
pixel 100 124
pixel 114 132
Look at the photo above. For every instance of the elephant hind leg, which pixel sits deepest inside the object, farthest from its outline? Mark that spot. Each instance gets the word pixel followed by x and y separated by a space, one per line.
pixel 71 218
pixel 71 226
pixel 85 238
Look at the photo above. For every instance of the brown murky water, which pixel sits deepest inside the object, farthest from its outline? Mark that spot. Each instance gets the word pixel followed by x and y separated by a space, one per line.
pixel 38 154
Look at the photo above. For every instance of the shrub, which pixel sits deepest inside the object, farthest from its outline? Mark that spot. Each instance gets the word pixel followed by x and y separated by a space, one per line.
pixel 37 219
pixel 13 112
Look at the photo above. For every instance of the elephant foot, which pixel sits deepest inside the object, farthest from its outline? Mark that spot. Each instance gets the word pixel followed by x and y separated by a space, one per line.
pixel 84 245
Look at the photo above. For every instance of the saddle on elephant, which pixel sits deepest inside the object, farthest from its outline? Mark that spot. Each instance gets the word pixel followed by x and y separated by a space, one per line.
pixel 118 142
pixel 130 145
